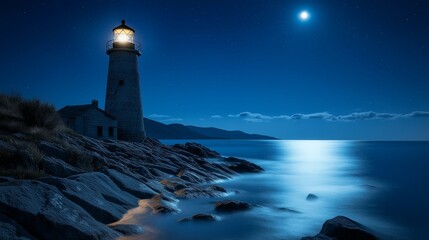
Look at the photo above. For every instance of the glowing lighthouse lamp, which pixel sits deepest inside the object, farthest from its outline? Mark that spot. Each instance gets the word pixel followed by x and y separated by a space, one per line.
pixel 123 36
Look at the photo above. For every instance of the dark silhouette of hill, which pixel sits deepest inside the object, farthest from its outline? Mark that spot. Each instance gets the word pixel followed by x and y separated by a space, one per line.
pixel 159 130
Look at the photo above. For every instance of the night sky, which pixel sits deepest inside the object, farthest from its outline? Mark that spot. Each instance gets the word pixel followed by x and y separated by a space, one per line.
pixel 352 70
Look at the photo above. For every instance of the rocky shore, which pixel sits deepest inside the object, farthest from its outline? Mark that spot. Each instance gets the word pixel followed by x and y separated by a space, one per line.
pixel 85 186
pixel 74 187
pixel 55 184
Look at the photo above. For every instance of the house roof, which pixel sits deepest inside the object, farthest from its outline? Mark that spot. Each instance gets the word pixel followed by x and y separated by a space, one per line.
pixel 77 110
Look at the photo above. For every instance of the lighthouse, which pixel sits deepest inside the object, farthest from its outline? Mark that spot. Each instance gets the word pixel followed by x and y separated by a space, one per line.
pixel 123 99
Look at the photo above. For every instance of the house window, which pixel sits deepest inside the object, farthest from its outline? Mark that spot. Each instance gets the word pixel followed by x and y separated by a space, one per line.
pixel 111 132
pixel 121 82
pixel 99 131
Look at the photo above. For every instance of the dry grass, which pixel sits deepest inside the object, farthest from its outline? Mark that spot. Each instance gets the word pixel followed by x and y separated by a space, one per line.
pixel 20 160
pixel 28 116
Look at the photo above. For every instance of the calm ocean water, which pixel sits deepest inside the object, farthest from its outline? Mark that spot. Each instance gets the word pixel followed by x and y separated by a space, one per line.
pixel 383 185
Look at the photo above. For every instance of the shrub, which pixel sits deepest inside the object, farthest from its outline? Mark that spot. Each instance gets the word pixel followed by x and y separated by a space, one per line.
pixel 37 114
pixel 29 116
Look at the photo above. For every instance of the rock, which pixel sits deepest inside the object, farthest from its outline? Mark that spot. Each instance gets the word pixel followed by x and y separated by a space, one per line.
pixel 197 149
pixel 89 199
pixel 98 181
pixel 52 150
pixel 47 214
pixel 157 205
pixel 200 217
pixel 318 237
pixel 343 228
pixel 130 184
pixel 284 209
pixel 242 166
pixel 127 229
pixel 231 206
pixel 199 192
pixel 6 179
pixel 58 168
pixel 9 229
pixel 311 197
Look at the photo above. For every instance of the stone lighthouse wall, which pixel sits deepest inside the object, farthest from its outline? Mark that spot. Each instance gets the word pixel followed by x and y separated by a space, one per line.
pixel 123 99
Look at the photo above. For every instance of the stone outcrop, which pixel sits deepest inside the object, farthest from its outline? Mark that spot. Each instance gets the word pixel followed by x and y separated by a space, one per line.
pixel 198 150
pixel 83 187
pixel 47 214
pixel 242 166
pixel 343 228
pixel 232 206
pixel 201 217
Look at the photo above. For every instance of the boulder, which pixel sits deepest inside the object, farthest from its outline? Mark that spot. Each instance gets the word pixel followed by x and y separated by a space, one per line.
pixel 157 205
pixel 343 228
pixel 47 214
pixel 311 197
pixel 285 209
pixel 197 149
pixel 130 184
pixel 242 166
pixel 9 229
pixel 318 237
pixel 52 150
pixel 6 179
pixel 201 217
pixel 89 199
pixel 98 181
pixel 231 206
pixel 199 192
pixel 127 229
pixel 58 168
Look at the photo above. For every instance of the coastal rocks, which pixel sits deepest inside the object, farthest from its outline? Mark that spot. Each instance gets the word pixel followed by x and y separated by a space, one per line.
pixel 343 228
pixel 318 237
pixel 47 214
pixel 197 149
pixel 52 150
pixel 284 209
pixel 89 199
pixel 200 218
pixel 9 229
pixel 311 197
pixel 97 181
pixel 130 184
pixel 242 166
pixel 57 167
pixel 127 229
pixel 157 205
pixel 232 206
pixel 199 192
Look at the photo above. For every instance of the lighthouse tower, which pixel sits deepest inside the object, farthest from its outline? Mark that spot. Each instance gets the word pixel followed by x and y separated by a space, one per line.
pixel 123 99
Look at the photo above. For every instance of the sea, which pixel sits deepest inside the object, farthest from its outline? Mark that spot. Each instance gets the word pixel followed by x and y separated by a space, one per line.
pixel 381 184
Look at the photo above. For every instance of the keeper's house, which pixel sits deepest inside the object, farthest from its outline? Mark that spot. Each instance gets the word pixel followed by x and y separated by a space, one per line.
pixel 90 120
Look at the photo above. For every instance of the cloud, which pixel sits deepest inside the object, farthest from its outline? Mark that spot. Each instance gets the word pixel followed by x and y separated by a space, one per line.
pixel 356 116
pixel 251 117
pixel 172 120
pixel 165 118
pixel 216 116
pixel 155 115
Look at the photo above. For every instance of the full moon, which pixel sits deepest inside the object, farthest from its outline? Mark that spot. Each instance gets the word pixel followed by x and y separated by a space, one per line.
pixel 304 16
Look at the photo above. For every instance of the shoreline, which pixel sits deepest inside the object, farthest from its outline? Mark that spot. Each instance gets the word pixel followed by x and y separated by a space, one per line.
pixel 88 188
